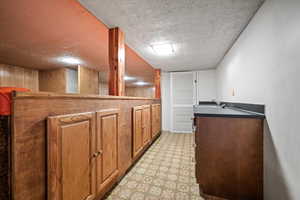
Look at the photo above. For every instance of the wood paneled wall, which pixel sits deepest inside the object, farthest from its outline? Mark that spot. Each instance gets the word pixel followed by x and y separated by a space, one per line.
pixel 103 83
pixel 148 92
pixel 88 81
pixel 29 136
pixel 103 89
pixel 53 80
pixel 13 76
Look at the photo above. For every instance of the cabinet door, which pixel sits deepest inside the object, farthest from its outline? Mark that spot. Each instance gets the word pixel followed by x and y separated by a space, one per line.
pixel 71 145
pixel 155 109
pixel 153 120
pixel 137 130
pixel 158 114
pixel 107 147
pixel 230 157
pixel 146 124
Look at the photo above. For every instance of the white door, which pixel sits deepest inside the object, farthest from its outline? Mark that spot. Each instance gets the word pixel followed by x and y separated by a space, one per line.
pixel 183 97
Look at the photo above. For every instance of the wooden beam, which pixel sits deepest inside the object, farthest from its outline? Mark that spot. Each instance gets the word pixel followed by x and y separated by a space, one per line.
pixel 116 62
pixel 157 83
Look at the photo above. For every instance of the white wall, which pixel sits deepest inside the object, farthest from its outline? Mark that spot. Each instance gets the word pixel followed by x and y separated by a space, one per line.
pixel 264 67
pixel 206 85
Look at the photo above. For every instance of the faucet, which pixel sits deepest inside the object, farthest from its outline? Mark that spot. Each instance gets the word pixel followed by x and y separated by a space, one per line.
pixel 223 105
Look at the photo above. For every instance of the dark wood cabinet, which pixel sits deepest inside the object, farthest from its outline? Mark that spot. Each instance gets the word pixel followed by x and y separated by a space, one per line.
pixel 229 157
pixel 155 119
pixel 71 160
pixel 107 134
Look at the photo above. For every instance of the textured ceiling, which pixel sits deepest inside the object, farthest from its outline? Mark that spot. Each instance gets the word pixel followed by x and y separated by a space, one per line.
pixel 201 30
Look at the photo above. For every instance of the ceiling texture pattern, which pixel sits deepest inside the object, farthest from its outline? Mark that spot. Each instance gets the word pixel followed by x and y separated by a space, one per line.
pixel 201 30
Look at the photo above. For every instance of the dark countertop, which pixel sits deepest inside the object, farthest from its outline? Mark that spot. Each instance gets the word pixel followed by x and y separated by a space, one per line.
pixel 217 111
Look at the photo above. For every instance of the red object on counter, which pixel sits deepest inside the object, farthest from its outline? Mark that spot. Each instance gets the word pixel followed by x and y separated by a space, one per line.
pixel 5 98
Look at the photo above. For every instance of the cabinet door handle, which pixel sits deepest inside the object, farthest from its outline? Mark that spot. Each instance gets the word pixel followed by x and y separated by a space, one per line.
pixel 96 154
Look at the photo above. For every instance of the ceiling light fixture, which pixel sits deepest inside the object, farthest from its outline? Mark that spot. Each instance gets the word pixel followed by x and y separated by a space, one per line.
pixel 141 83
pixel 163 49
pixel 129 78
pixel 70 60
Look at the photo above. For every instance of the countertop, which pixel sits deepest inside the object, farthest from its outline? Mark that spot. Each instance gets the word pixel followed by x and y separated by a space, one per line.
pixel 218 111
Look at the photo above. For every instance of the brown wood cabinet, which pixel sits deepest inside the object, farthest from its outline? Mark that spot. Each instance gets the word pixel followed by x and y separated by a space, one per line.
pixel 107 148
pixel 141 128
pixel 71 160
pixel 155 119
pixel 137 130
pixel 82 154
pixel 229 157
pixel 29 139
pixel 146 125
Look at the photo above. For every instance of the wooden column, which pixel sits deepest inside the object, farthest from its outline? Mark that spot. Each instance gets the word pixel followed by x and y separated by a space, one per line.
pixel 116 62
pixel 157 83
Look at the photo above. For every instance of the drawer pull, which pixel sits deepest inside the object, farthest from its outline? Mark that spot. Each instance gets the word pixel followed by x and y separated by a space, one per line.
pixel 95 155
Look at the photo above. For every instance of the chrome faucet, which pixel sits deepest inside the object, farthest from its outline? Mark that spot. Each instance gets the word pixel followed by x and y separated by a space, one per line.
pixel 223 105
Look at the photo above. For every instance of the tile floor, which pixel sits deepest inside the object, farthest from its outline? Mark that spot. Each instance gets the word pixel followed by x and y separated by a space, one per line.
pixel 166 171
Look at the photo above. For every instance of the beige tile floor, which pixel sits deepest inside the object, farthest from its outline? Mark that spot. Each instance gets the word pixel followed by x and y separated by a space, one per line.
pixel 166 171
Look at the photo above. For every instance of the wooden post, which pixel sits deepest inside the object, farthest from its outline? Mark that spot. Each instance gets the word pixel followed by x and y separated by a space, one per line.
pixel 157 83
pixel 116 62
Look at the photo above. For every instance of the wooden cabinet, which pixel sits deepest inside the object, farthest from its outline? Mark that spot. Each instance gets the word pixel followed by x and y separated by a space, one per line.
pixel 229 157
pixel 107 134
pixel 146 125
pixel 137 130
pixel 155 119
pixel 71 160
pixel 82 154
pixel 141 128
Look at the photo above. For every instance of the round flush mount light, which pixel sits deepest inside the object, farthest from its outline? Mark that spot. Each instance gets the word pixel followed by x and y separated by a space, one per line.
pixel 163 49
pixel 69 60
